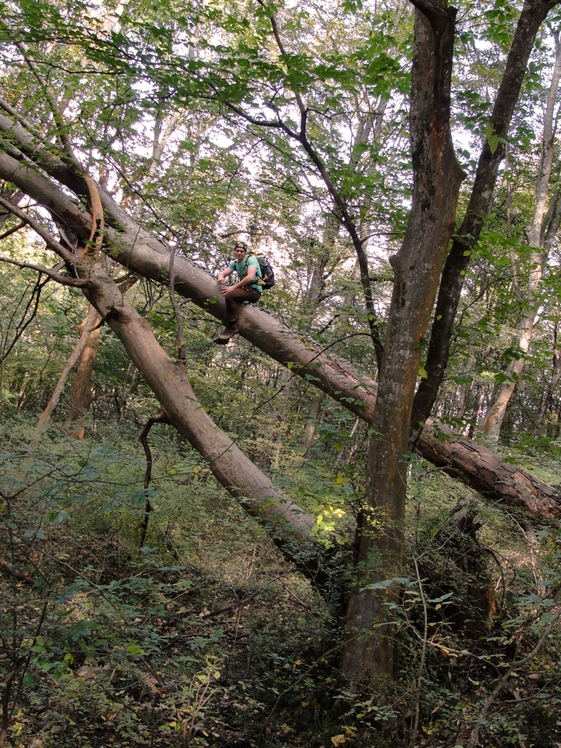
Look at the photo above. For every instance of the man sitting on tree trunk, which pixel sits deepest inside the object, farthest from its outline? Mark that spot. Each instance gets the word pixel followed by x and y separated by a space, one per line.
pixel 246 289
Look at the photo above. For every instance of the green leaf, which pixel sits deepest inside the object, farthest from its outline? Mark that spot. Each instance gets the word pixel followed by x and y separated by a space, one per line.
pixel 135 649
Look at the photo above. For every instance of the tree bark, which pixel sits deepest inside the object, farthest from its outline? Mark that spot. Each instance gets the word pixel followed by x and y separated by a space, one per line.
pixel 533 14
pixel 496 480
pixel 368 652
pixel 143 254
pixel 81 395
pixel 288 525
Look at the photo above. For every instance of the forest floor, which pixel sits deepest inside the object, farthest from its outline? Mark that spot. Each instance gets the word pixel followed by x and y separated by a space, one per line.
pixel 205 636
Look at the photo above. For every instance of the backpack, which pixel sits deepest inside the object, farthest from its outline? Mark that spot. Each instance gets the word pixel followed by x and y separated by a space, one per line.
pixel 267 273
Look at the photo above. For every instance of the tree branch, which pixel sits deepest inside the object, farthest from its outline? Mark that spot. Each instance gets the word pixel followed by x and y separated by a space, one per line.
pixel 62 279
pixel 143 438
pixel 342 208
pixel 145 255
pixel 43 233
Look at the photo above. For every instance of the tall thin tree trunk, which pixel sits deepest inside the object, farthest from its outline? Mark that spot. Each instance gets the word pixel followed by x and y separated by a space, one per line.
pixel 493 419
pixel 310 306
pixel 81 395
pixel 310 427
pixel 89 322
pixel 467 235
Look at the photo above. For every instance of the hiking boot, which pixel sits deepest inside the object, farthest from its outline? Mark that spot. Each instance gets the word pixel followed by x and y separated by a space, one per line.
pixel 226 335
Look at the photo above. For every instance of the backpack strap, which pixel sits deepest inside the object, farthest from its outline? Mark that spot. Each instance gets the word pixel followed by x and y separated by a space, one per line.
pixel 259 273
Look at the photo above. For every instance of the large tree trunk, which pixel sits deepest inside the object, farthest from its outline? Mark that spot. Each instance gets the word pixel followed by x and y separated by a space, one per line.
pixel 368 652
pixel 143 254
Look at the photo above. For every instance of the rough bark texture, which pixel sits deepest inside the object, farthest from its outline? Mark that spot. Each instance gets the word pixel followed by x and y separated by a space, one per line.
pixel 143 254
pixel 467 236
pixel 368 652
pixel 512 486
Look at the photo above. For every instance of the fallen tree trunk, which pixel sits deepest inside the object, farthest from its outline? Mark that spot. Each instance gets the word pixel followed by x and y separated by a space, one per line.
pixel 487 474
pixel 142 253
pixel 286 523
pixel 169 382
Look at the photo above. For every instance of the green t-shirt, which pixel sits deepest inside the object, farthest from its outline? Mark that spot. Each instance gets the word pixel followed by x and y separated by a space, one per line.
pixel 241 270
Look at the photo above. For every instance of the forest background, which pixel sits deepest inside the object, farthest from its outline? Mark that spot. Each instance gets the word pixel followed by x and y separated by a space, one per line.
pixel 342 528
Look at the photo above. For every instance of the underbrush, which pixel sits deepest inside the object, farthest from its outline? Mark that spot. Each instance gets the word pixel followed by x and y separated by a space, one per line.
pixel 201 637
pixel 206 636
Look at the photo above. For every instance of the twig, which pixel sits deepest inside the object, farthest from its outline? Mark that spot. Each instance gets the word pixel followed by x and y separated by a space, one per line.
pixel 143 437
pixel 474 737
pixel 62 279
pixel 43 233
pixel 22 324
pixel 13 230
pixel 19 575
pixel 415 729
pixel 246 599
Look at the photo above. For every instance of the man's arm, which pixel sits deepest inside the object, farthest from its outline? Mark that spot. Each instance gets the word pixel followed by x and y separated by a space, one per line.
pixel 222 275
pixel 249 278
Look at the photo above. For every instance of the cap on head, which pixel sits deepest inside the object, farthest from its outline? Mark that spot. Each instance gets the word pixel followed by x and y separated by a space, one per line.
pixel 240 245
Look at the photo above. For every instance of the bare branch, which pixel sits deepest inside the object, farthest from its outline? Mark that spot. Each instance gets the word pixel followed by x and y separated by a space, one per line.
pixel 256 120
pixel 19 575
pixel 282 50
pixel 474 737
pixel 43 233
pixel 25 318
pixel 143 438
pixel 62 279
pixel 341 206
pixel 13 230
